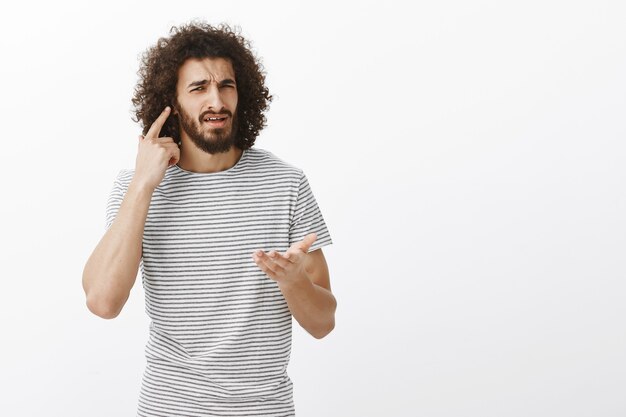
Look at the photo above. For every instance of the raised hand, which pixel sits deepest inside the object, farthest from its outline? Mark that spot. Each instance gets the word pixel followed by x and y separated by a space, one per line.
pixel 155 154
pixel 289 266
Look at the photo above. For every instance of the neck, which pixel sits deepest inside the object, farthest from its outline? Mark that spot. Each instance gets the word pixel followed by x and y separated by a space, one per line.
pixel 194 160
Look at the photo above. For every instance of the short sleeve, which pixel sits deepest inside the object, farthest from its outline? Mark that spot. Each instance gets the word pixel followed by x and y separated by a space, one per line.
pixel 307 218
pixel 115 198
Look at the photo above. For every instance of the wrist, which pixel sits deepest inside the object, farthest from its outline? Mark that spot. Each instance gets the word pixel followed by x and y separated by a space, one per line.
pixel 295 282
pixel 140 187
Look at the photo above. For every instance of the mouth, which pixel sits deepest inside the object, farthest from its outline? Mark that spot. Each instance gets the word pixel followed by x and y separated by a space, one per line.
pixel 215 120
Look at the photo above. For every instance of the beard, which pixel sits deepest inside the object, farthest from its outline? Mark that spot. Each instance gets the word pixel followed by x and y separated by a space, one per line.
pixel 216 140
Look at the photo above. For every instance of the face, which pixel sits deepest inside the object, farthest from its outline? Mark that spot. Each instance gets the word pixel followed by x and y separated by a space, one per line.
pixel 206 103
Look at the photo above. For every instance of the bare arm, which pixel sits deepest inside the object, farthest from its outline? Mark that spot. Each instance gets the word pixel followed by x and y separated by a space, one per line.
pixel 303 279
pixel 111 270
pixel 310 300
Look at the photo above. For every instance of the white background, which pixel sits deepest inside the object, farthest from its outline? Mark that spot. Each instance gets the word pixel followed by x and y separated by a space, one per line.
pixel 469 160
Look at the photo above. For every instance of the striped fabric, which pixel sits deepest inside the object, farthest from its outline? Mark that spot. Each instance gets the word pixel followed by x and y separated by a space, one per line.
pixel 220 332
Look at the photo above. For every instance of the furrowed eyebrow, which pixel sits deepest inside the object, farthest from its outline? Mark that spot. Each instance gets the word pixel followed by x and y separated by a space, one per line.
pixel 226 81
pixel 197 83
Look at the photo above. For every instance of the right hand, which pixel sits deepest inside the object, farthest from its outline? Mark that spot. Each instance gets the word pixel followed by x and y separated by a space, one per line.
pixel 155 154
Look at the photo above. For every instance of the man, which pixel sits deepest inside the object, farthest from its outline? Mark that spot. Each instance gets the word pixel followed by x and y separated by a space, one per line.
pixel 228 236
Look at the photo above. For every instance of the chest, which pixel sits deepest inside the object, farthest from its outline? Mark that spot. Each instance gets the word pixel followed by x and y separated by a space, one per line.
pixel 218 221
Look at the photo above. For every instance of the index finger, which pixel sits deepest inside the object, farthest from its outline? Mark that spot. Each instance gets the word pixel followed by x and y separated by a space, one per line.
pixel 157 125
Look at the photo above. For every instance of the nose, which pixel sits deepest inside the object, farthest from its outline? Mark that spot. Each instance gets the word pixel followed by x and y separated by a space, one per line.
pixel 213 98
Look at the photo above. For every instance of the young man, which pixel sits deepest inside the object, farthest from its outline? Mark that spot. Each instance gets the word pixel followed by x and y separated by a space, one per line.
pixel 228 236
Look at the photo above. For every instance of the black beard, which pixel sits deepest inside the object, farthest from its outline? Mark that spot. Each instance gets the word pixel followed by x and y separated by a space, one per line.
pixel 218 141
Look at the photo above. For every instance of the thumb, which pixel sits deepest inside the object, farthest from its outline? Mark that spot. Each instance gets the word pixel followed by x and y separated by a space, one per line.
pixel 308 241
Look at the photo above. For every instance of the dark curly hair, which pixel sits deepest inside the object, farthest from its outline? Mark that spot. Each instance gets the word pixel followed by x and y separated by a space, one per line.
pixel 158 75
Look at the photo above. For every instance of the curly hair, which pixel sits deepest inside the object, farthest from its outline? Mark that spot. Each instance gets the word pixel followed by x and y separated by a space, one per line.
pixel 158 75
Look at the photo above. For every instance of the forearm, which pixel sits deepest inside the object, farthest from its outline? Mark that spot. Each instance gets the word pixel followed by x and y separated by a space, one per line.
pixel 311 305
pixel 111 270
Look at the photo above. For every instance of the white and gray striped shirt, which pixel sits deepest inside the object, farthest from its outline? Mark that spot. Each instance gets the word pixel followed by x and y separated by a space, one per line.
pixel 220 331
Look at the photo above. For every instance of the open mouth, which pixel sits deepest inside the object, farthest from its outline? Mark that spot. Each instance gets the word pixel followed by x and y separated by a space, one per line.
pixel 215 121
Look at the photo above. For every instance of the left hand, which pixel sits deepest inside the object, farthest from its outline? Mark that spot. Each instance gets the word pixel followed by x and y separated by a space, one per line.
pixel 287 267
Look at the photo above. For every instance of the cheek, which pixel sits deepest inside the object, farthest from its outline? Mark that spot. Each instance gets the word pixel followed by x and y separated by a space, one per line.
pixel 181 107
pixel 231 99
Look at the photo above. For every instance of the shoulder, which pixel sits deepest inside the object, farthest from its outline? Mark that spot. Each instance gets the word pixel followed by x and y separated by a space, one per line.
pixel 123 178
pixel 264 160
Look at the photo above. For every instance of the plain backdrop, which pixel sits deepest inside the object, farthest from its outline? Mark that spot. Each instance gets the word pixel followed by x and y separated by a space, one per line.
pixel 468 158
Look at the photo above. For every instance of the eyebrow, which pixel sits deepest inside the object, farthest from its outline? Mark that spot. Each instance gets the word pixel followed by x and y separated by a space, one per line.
pixel 226 81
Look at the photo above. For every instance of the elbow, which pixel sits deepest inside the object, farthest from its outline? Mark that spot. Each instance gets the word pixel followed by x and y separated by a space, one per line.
pixel 102 302
pixel 324 331
pixel 101 308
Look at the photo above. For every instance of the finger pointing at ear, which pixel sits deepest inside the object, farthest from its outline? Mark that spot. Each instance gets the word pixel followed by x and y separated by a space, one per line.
pixel 155 154
pixel 157 125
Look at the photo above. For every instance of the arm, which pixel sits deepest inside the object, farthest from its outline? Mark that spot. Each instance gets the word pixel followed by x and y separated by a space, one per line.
pixel 111 270
pixel 303 279
pixel 310 300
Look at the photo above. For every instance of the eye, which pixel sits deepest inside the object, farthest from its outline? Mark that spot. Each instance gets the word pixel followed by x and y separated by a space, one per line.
pixel 197 88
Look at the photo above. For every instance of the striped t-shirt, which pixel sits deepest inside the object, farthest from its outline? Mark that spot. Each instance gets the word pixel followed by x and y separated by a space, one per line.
pixel 220 331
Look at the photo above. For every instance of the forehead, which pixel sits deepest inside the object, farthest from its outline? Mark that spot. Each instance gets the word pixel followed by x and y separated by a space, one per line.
pixel 196 69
